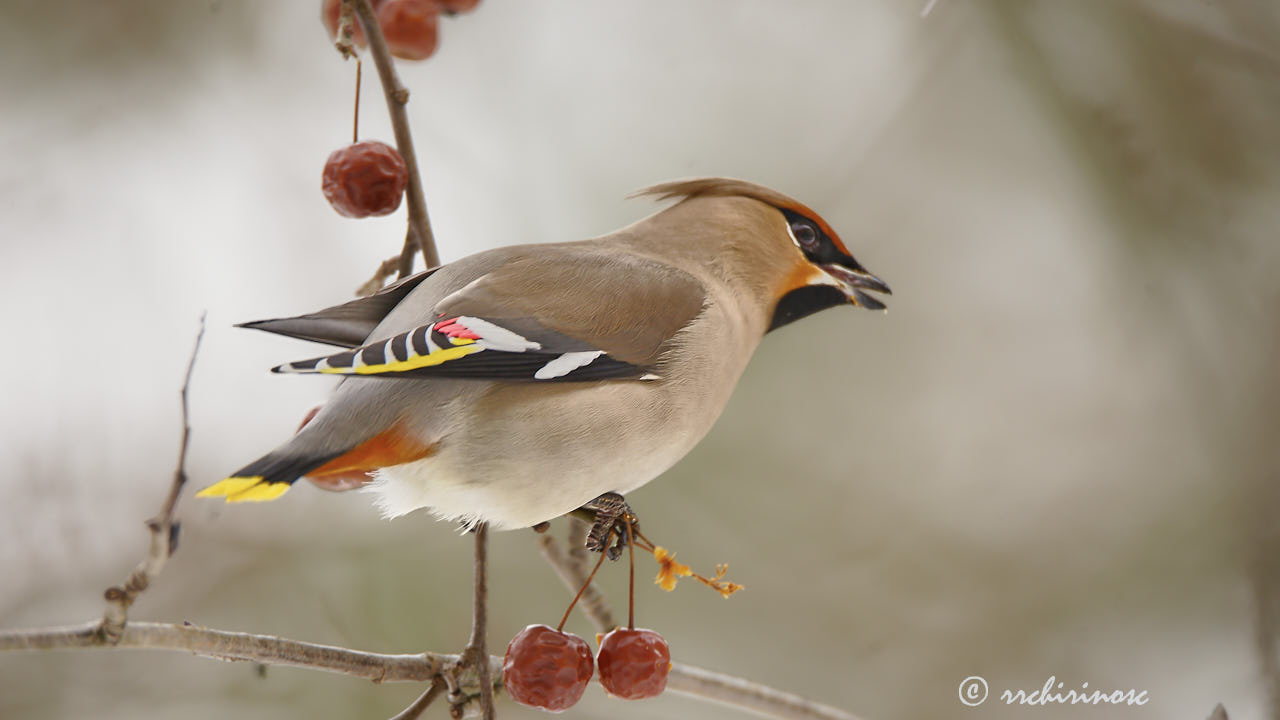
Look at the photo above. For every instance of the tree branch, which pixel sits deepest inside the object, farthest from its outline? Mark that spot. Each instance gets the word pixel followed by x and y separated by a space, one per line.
pixel 419 235
pixel 746 695
pixel 437 668
pixel 223 645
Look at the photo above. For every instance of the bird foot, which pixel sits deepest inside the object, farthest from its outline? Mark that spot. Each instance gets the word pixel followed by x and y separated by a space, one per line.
pixel 609 530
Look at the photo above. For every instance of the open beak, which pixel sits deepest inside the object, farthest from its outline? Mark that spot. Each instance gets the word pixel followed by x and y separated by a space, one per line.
pixel 854 280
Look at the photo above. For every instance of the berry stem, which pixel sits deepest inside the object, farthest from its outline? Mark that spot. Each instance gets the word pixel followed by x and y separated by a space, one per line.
pixel 631 586
pixel 355 120
pixel 581 590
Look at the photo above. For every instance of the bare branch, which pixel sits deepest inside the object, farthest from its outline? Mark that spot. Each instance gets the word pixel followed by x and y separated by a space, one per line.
pixel 223 645
pixel 397 95
pixel 437 668
pixel 164 531
pixel 746 695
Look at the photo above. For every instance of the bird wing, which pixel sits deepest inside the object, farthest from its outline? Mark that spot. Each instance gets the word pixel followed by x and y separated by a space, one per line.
pixel 346 325
pixel 542 316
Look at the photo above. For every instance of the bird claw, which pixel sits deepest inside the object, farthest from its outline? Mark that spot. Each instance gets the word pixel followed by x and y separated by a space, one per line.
pixel 609 530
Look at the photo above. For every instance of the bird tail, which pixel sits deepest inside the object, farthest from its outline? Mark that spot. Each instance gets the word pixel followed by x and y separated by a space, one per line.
pixel 271 475
pixel 266 478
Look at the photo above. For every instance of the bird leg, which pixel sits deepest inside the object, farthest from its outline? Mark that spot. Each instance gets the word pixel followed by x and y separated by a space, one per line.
pixel 612 521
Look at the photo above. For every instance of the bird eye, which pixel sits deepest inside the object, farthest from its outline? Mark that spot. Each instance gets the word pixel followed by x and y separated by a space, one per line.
pixel 805 235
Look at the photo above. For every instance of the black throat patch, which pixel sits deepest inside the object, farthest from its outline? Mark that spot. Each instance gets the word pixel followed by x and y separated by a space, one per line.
pixel 805 301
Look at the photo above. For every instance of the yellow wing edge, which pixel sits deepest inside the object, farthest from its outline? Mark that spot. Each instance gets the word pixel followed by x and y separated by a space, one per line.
pixel 463 347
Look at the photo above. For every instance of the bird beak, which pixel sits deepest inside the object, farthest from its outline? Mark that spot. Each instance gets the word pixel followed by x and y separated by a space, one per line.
pixel 853 280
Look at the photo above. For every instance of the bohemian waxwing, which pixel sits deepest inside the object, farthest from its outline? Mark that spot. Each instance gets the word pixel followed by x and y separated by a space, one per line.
pixel 518 384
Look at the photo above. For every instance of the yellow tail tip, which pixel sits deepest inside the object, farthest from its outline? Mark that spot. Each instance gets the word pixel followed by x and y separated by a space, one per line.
pixel 245 489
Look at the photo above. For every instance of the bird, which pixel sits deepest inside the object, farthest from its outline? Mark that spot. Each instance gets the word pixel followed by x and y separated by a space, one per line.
pixel 519 384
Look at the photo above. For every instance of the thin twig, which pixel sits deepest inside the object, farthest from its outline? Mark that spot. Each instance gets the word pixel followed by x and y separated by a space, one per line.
pixel 180 472
pixel 419 235
pixel 164 531
pixel 475 650
pixel 419 706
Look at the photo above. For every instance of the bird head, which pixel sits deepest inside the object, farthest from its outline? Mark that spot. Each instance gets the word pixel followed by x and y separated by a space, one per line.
pixel 816 268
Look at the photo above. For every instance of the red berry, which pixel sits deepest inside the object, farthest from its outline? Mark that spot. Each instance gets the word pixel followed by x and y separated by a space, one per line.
pixel 545 668
pixel 458 6
pixel 409 27
pixel 363 179
pixel 634 663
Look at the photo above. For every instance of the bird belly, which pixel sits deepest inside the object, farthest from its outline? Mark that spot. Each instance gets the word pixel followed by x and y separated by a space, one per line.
pixel 531 453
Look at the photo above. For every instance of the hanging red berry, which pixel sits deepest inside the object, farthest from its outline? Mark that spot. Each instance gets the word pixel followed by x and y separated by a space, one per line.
pixel 634 663
pixel 365 178
pixel 546 668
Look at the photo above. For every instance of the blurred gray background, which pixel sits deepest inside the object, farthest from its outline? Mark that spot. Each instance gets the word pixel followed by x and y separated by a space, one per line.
pixel 1055 455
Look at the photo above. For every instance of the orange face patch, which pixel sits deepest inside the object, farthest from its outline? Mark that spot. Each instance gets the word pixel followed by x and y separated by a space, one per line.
pixel 803 274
